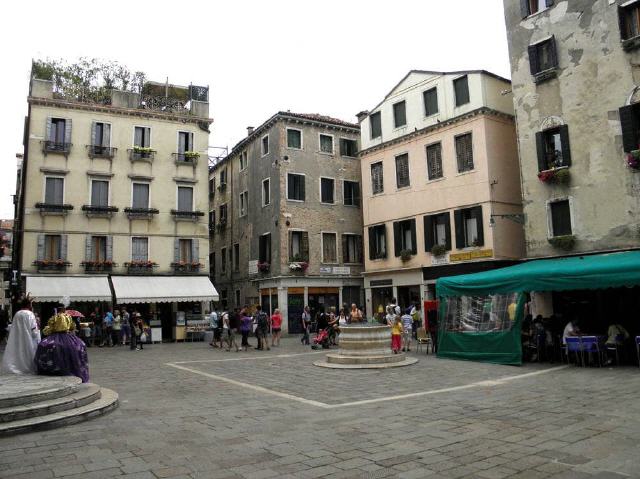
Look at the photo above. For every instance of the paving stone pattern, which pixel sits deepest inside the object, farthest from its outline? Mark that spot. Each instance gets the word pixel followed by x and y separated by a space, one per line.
pixel 568 423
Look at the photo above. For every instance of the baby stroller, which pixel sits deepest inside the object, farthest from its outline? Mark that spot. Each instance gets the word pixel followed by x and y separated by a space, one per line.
pixel 321 340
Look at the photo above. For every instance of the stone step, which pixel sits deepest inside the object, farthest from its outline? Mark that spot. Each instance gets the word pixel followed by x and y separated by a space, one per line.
pixel 84 394
pixel 16 390
pixel 106 403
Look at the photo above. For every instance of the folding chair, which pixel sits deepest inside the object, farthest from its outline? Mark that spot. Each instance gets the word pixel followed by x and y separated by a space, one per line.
pixel 422 339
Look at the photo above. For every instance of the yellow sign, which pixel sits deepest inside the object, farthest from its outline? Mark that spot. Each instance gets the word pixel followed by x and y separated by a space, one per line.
pixel 468 255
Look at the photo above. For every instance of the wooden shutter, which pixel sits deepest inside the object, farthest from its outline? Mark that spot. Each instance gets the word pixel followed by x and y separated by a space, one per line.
pixel 48 130
pixel 396 238
pixel 304 246
pixel 534 64
pixel 138 136
pixel 176 250
pixel 372 242
pixel 94 140
pixel 40 251
pixel 88 248
pixel 477 214
pixel 566 147
pixel 414 246
pixel 553 52
pixel 457 217
pixel 359 247
pixel 345 248
pixel 67 130
pixel 630 127
pixel 302 187
pixel 63 247
pixel 195 250
pixel 447 230
pixel 622 23
pixel 542 156
pixel 429 237
pixel 109 245
pixel 106 134
pixel 524 7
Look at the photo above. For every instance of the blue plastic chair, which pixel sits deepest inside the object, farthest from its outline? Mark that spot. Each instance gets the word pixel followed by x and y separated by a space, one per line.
pixel 574 345
pixel 591 345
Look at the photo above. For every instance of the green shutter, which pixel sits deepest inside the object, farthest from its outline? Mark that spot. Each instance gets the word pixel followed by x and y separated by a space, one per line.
pixel 372 239
pixel 414 241
pixel 429 237
pixel 447 230
pixel 396 239
pixel 457 216
pixel 477 214
pixel 566 147
pixel 542 157
pixel 630 127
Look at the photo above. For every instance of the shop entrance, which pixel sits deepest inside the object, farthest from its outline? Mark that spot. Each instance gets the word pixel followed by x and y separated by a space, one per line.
pixel 295 306
pixel 408 295
pixel 380 297
pixel 165 315
pixel 323 299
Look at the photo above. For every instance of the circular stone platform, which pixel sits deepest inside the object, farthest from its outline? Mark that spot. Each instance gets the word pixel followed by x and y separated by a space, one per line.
pixel 364 346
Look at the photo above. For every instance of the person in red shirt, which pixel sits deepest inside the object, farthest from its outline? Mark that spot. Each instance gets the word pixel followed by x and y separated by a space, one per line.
pixel 276 327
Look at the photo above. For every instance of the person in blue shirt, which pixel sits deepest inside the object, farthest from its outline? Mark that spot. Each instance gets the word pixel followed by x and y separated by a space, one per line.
pixel 107 332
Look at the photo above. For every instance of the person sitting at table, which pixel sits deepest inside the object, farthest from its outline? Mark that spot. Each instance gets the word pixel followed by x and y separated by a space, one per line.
pixel 617 335
pixel 571 329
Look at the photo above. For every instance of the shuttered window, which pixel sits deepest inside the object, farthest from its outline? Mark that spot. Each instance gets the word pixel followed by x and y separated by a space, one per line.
pixel 326 144
pixel 629 17
pixel 142 136
pixel 98 248
pixel 264 248
pixel 348 147
pixel 140 195
pixel 298 246
pixel 223 213
pixel 57 131
pixel 377 242
pixel 469 227
pixel 402 170
pixel 542 56
pixel 244 203
pixel 351 249
pixel 139 249
pixel 185 250
pixel 400 114
pixel 377 178
pixel 553 148
pixel 99 193
pixel 54 190
pixel 223 260
pixel 101 134
pixel 404 237
pixel 430 98
pixel 236 257
pixel 375 123
pixel 329 254
pixel 351 193
pixel 266 192
pixel 461 89
pixel 265 145
pixel 437 231
pixel 294 138
pixel 434 161
pixel 327 189
pixel 185 198
pixel 529 7
pixel 630 125
pixel 295 187
pixel 464 152
pixel 185 141
pixel 560 218
pixel 52 247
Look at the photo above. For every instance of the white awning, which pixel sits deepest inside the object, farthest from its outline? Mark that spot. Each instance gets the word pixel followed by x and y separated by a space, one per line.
pixel 78 288
pixel 163 289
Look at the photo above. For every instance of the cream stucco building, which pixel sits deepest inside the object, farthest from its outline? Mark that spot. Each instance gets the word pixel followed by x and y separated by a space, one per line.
pixel 113 200
pixel 441 183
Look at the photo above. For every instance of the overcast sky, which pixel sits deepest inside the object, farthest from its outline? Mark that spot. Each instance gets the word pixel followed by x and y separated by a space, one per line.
pixel 330 57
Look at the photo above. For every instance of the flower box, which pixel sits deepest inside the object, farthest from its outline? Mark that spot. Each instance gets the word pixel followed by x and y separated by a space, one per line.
pixel 560 175
pixel 51 264
pixel 298 266
pixel 438 250
pixel 405 254
pixel 97 266
pixel 185 267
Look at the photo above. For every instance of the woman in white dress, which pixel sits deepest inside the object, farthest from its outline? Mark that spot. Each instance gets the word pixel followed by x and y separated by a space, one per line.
pixel 24 336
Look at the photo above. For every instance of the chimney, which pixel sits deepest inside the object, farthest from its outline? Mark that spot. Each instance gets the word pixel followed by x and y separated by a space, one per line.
pixel 249 130
pixel 362 115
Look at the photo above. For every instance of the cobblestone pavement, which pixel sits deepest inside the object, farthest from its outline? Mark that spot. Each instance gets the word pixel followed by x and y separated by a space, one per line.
pixel 254 415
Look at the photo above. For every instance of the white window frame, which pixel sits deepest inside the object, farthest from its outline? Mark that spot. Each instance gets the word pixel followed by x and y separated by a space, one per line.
pixel 140 183
pixel 333 144
pixel 287 186
pixel 350 139
pixel 148 247
pixel 97 178
pixel 246 204
pixel 362 239
pixel 64 187
pixel 344 180
pixel 287 139
pixel 264 153
pixel 244 155
pixel 322 233
pixel 320 190
pixel 193 196
pixel 266 180
pixel 133 135
pixel 550 219
pixel 193 135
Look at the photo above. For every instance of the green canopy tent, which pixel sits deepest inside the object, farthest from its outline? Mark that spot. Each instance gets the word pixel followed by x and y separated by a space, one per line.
pixel 481 314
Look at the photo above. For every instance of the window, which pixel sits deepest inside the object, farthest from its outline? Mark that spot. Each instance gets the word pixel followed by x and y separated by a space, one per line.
pixel 212 187
pixel 223 260
pixel 142 136
pixel 54 190
pixel 464 152
pixel 212 264
pixel 553 148
pixel 630 124
pixel 351 192
pixel 100 135
pixel 377 242
pixel 404 236
pixel 98 248
pixel 469 227
pixel 243 161
pixel 52 247
pixel 238 298
pixel 56 134
pixel 185 198
pixel 461 89
pixel 99 193
pixel 326 144
pixel 430 98
pixel 402 170
pixel 377 178
pixel 223 176
pixel 223 214
pixel 542 56
pixel 244 203
pixel 185 143
pixel 400 114
pixel 348 147
pixel 139 249
pixel 329 253
pixel 266 192
pixel 185 249
pixel 560 212
pixel 437 231
pixel 327 190
pixel 298 246
pixel 376 125
pixel 529 7
pixel 236 257
pixel 351 248
pixel 434 161
pixel 212 219
pixel 295 187
pixel 265 145
pixel 294 138
pixel 629 18
pixel 264 248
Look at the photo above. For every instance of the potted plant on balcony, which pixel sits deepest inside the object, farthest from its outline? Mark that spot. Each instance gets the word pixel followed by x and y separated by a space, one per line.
pixel 633 160
pixel 405 254
pixel 438 250
pixel 264 267
pixel 558 175
pixel 142 151
pixel 298 264
pixel 191 155
pixel 565 242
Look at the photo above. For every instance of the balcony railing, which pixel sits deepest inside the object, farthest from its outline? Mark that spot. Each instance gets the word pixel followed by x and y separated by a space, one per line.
pixel 55 147
pixel 141 154
pixel 92 210
pixel 141 213
pixel 186 158
pixel 98 266
pixel 53 208
pixel 97 151
pixel 186 215
pixel 51 264
pixel 185 268
pixel 140 267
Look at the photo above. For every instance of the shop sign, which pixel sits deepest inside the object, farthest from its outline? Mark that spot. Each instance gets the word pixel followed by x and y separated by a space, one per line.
pixel 469 255
pixel 325 269
pixel 438 260
pixel 341 270
pixel 253 266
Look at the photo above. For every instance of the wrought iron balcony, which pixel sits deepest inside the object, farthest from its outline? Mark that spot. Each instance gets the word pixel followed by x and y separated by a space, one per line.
pixel 97 151
pixel 92 210
pixel 141 213
pixel 140 267
pixel 186 215
pixel 98 266
pixel 186 268
pixel 55 147
pixel 186 158
pixel 141 154
pixel 53 208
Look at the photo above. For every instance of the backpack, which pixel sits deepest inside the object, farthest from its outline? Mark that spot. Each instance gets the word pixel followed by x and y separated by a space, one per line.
pixel 262 320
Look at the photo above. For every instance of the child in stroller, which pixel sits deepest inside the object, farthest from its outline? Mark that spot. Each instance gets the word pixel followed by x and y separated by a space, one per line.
pixel 322 339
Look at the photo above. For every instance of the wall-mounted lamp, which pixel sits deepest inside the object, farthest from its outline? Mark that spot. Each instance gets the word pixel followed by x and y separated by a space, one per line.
pixel 515 217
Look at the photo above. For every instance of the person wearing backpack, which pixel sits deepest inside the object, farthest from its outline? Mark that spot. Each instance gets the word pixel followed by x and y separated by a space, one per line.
pixel 262 329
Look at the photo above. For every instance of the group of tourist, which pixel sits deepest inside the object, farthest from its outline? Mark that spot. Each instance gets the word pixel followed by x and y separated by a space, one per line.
pixel 117 328
pixel 404 327
pixel 227 324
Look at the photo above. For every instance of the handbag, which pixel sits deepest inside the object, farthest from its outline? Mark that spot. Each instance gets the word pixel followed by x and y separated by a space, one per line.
pixel 143 338
pixel 137 330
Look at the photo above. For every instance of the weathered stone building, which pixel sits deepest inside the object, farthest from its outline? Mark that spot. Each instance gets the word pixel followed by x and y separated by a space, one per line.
pixel 575 84
pixel 285 216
